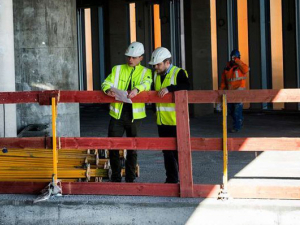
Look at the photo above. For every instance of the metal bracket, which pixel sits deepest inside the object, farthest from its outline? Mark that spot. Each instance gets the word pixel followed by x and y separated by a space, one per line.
pixel 52 190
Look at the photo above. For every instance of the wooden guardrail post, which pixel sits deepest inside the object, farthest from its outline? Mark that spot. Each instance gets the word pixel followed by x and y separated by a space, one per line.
pixel 184 144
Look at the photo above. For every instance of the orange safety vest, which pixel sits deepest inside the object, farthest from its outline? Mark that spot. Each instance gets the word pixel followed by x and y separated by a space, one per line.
pixel 234 77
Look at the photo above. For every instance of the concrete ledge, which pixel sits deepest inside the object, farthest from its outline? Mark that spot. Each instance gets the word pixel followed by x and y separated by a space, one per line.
pixel 19 209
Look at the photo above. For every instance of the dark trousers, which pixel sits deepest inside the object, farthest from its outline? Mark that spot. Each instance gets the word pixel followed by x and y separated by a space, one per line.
pixel 117 129
pixel 236 112
pixel 170 157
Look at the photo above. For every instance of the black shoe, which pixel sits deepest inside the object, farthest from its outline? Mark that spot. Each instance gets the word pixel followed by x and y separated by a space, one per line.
pixel 234 131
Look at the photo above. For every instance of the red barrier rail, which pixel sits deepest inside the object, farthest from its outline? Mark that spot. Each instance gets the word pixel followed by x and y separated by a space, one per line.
pixel 184 143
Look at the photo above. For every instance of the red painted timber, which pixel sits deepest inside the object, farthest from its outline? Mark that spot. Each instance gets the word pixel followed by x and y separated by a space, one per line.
pixel 246 96
pixel 31 142
pixel 19 97
pixel 206 190
pixel 264 144
pixel 266 191
pixel 184 144
pixel 147 189
pixel 107 188
pixel 118 143
pixel 100 97
pixel 22 187
pixel 198 144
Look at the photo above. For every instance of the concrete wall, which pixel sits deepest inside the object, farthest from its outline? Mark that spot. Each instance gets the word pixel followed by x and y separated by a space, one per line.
pixel 118 35
pixel 46 59
pixel 198 49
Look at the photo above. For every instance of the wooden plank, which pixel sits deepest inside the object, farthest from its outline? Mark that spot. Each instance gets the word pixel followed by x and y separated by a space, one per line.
pixel 22 187
pixel 19 97
pixel 28 142
pixel 147 189
pixel 264 144
pixel 184 144
pixel 197 144
pixel 100 97
pixel 206 144
pixel 247 144
pixel 248 191
pixel 206 190
pixel 245 96
pixel 118 143
pixel 264 191
pixel 107 188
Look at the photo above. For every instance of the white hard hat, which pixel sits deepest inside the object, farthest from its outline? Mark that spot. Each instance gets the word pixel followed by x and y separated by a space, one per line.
pixel 135 49
pixel 159 55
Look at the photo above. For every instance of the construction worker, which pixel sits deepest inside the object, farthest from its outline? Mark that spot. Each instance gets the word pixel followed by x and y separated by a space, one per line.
pixel 134 78
pixel 234 78
pixel 167 79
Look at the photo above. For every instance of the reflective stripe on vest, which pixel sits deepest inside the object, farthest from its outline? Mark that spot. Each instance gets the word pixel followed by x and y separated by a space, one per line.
pixel 138 110
pixel 165 109
pixel 143 74
pixel 113 109
pixel 235 79
pixel 117 75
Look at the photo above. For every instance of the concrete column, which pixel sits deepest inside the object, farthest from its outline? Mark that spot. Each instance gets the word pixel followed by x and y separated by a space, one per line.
pixel 8 127
pixel 198 50
pixel 46 59
pixel 118 33
pixel 255 62
pixel 222 36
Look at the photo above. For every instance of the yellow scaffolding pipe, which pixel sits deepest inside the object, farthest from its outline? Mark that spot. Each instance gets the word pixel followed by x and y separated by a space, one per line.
pixel 225 150
pixel 55 158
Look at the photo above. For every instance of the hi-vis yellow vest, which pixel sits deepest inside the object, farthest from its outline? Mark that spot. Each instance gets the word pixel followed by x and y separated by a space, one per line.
pixel 141 79
pixel 165 112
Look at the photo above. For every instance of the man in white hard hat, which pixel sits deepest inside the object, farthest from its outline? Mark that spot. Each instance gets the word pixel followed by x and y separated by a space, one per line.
pixel 134 78
pixel 167 78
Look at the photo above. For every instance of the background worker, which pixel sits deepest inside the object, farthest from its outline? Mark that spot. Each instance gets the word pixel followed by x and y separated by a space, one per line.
pixel 234 78
pixel 167 78
pixel 135 78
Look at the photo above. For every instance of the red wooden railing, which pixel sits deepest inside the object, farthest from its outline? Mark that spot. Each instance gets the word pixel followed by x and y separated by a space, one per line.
pixel 183 143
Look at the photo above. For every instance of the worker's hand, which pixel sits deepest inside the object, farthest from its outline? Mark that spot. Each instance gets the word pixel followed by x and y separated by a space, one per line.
pixel 133 93
pixel 163 92
pixel 110 93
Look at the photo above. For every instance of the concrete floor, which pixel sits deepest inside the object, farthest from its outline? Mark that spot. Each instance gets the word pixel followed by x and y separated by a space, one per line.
pixel 279 168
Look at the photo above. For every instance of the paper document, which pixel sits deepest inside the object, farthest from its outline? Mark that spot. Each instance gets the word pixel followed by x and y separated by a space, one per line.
pixel 121 95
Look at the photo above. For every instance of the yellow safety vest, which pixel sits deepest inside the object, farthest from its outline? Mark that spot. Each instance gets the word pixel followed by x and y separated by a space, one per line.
pixel 141 79
pixel 165 112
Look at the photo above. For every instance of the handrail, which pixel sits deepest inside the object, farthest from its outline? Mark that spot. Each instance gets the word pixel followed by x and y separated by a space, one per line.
pixel 199 96
pixel 184 143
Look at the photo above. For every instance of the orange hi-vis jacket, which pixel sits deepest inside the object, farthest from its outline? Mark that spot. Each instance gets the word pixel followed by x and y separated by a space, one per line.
pixel 234 76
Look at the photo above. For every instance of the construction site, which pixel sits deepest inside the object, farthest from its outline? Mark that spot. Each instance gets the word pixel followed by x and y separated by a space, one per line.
pixel 58 155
